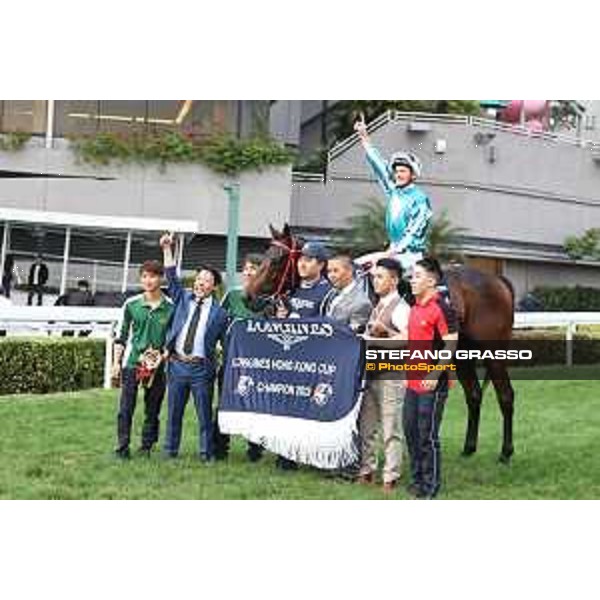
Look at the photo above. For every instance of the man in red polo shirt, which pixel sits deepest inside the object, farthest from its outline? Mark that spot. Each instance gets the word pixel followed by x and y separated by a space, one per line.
pixel 432 325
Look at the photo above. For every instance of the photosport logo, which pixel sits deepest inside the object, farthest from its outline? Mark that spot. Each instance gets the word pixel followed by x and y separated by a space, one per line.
pixel 416 363
pixel 288 334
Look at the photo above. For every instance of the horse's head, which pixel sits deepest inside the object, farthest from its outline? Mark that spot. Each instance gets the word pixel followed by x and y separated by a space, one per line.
pixel 278 272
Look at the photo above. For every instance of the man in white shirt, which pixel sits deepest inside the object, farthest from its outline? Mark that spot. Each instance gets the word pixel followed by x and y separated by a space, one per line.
pixel 197 325
pixel 382 403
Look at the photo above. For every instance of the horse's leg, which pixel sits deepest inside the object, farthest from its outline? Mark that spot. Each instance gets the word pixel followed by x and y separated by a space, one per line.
pixel 506 397
pixel 470 383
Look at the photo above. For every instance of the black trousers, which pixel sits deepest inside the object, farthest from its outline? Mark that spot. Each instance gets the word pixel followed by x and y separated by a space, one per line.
pixel 222 443
pixel 153 397
pixel 33 290
pixel 6 285
pixel 422 417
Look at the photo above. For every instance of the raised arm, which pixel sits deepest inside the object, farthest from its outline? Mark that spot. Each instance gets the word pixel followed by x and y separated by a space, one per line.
pixel 174 284
pixel 374 159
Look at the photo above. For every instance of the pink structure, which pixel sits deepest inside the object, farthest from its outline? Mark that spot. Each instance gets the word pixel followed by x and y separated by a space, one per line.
pixel 533 114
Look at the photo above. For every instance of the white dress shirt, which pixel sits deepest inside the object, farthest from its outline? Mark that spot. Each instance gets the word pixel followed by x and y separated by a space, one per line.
pixel 36 273
pixel 200 332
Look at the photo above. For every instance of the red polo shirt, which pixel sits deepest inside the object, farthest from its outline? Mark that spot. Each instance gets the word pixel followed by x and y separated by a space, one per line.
pixel 428 322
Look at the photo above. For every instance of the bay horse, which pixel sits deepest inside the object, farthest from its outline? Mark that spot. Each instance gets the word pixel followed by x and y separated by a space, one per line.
pixel 484 304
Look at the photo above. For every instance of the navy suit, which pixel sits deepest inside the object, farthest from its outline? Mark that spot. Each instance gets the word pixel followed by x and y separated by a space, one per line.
pixel 197 377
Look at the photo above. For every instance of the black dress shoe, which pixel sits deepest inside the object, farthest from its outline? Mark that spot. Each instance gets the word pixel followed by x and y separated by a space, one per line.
pixel 207 459
pixel 426 495
pixel 123 454
pixel 285 464
pixel 414 490
pixel 254 452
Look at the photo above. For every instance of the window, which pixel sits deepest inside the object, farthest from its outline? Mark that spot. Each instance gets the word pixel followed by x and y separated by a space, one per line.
pixel 200 117
pixel 73 117
pixel 23 115
pixel 590 122
pixel 123 116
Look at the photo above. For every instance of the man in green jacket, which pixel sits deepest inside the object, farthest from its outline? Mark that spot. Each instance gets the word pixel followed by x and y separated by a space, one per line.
pixel 236 302
pixel 239 305
pixel 138 354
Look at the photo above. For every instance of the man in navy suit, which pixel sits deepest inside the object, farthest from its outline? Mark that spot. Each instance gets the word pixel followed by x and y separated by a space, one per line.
pixel 198 323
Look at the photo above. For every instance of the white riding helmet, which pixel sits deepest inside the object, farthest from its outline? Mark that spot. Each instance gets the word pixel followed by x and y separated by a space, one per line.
pixel 407 159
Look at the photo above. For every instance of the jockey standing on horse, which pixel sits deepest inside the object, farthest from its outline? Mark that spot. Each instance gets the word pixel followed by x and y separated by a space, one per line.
pixel 408 210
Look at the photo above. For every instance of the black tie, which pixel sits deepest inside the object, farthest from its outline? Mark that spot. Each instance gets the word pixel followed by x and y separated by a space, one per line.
pixel 188 345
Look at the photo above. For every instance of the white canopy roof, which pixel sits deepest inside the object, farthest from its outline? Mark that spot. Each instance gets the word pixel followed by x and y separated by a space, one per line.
pixel 65 219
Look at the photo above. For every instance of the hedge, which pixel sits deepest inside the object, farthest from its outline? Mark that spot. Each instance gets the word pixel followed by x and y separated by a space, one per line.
pixel 41 366
pixel 569 299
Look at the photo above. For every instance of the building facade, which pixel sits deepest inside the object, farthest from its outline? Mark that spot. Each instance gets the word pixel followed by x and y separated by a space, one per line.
pixel 45 182
pixel 517 195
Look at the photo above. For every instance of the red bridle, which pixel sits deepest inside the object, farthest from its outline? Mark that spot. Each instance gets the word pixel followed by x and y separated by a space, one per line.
pixel 293 251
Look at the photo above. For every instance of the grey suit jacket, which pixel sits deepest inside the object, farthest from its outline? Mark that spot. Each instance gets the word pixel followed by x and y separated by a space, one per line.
pixel 353 308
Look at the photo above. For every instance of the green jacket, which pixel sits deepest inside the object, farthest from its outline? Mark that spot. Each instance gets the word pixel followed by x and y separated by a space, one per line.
pixel 142 327
pixel 238 305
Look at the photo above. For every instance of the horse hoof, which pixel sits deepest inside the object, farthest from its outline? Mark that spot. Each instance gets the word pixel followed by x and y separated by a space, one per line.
pixel 468 452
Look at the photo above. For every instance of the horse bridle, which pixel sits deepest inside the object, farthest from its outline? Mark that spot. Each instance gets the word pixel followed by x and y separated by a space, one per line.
pixel 293 251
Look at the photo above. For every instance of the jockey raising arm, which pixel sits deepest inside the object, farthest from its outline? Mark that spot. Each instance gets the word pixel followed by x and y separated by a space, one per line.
pixel 408 210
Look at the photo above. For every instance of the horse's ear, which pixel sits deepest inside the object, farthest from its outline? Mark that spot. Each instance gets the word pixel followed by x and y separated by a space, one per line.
pixel 274 232
pixel 287 232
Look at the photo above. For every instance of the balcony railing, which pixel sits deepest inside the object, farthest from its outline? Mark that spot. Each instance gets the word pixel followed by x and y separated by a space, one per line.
pixel 464 120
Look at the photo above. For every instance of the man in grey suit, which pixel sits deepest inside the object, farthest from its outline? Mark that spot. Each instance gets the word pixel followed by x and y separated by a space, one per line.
pixel 347 302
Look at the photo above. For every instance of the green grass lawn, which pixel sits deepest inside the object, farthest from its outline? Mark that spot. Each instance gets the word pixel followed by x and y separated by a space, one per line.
pixel 60 446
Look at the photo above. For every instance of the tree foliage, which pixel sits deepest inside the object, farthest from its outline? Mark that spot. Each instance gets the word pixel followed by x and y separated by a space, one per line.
pixel 366 233
pixel 220 152
pixel 585 246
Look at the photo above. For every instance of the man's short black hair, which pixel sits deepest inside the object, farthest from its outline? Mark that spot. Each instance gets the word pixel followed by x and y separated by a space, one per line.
pixel 82 283
pixel 214 272
pixel 432 266
pixel 392 265
pixel 343 257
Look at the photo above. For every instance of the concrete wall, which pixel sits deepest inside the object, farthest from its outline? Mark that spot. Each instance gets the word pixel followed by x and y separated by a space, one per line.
pixel 179 191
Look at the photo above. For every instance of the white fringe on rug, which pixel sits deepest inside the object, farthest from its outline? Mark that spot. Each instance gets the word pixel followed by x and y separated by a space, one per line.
pixel 325 445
